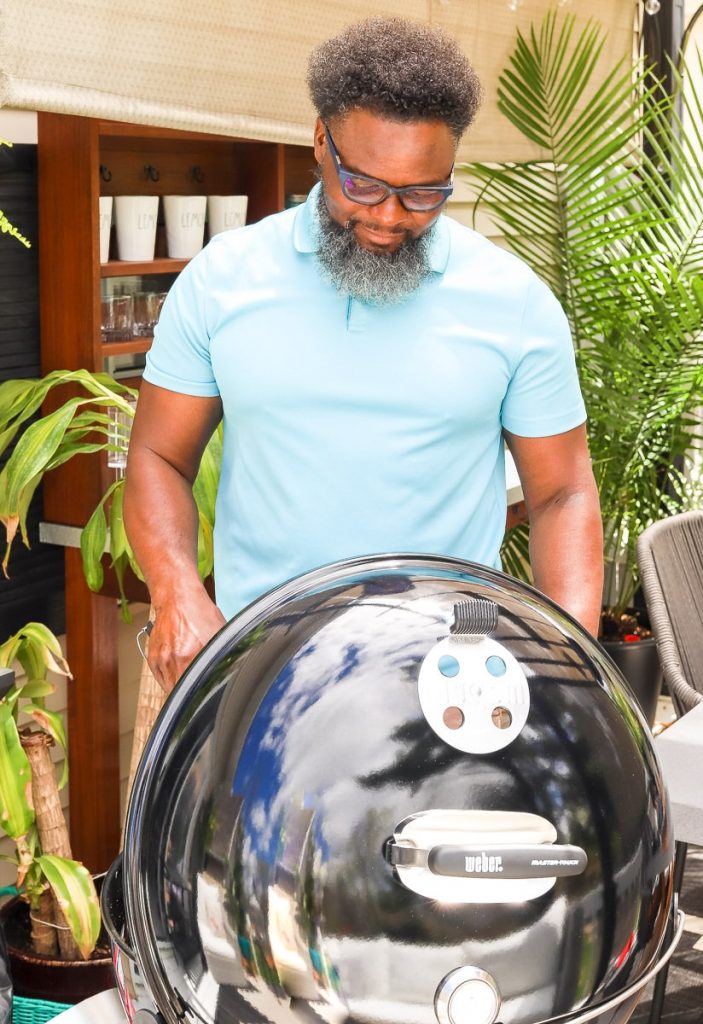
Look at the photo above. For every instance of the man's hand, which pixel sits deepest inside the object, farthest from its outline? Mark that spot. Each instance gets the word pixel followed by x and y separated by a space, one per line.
pixel 181 629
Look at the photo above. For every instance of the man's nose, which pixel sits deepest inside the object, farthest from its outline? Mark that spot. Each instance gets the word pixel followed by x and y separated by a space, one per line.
pixel 389 212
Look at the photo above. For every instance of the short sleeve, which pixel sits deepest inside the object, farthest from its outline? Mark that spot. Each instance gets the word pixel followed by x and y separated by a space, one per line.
pixel 179 358
pixel 544 396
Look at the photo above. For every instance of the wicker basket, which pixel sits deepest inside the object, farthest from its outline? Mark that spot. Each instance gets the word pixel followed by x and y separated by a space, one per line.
pixel 35 1011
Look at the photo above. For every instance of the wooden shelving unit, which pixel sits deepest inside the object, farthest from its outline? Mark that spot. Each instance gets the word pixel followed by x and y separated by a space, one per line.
pixel 118 348
pixel 128 268
pixel 79 160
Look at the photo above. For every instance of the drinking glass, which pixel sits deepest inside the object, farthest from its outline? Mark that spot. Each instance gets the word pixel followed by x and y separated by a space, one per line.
pixel 118 431
pixel 146 313
pixel 117 318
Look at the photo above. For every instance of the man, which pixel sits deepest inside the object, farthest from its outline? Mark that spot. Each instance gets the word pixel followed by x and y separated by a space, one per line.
pixel 367 356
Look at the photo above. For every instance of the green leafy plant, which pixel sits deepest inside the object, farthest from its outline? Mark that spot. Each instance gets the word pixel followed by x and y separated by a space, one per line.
pixel 81 426
pixel 64 908
pixel 63 904
pixel 611 217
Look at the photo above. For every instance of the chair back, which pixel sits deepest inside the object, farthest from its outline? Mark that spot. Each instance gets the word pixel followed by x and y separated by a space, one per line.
pixel 670 556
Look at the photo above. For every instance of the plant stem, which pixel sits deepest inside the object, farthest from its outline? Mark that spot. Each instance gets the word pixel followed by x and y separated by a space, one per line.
pixel 44 936
pixel 51 823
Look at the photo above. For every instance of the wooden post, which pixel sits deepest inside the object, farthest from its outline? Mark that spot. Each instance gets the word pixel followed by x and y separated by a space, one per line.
pixel 93 720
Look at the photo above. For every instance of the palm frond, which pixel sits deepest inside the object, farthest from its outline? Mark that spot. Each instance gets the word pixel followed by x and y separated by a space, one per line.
pixel 611 217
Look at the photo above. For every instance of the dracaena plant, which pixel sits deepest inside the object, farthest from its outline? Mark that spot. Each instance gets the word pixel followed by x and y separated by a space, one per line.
pixel 78 427
pixel 64 908
pixel 611 217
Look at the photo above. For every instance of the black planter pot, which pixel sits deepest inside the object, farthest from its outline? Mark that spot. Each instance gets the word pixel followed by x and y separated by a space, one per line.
pixel 638 660
pixel 41 977
pixel 5 983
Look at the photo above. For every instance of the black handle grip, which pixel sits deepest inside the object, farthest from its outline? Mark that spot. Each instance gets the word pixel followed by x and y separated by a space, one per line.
pixel 112 906
pixel 538 861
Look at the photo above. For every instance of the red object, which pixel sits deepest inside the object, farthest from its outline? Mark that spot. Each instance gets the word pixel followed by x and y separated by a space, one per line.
pixel 626 949
pixel 630 638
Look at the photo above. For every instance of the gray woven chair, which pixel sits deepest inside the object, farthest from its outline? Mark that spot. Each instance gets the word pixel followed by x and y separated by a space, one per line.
pixel 670 556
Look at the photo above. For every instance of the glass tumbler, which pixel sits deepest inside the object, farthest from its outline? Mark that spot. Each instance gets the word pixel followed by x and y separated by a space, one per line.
pixel 117 318
pixel 118 431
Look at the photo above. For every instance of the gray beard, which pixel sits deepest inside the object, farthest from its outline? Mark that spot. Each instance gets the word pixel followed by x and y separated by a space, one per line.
pixel 377 278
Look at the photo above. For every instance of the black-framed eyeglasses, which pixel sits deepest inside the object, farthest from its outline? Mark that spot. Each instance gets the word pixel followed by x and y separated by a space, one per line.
pixel 372 191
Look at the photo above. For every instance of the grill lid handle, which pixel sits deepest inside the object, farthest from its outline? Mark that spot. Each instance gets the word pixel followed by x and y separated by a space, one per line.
pixel 459 855
pixel 536 861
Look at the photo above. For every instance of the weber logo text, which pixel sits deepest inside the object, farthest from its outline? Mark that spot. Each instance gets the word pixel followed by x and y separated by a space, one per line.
pixel 483 864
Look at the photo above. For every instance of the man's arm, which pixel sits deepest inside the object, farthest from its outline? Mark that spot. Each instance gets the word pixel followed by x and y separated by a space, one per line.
pixel 168 437
pixel 566 533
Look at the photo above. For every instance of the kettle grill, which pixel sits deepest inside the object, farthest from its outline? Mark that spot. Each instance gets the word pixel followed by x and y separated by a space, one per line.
pixel 396 790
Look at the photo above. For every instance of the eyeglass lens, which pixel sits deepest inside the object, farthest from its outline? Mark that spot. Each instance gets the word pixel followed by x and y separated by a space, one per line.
pixel 370 193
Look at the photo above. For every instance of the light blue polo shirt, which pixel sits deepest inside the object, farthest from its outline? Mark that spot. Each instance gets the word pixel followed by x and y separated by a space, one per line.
pixel 352 429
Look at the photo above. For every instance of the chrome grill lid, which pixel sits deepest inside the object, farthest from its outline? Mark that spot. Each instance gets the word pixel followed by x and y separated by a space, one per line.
pixel 386 772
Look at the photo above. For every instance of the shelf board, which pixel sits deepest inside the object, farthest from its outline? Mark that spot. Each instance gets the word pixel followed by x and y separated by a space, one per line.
pixel 121 348
pixel 123 129
pixel 128 268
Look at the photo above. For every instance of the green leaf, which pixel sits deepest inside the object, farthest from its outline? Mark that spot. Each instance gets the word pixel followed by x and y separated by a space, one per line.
pixel 515 553
pixel 118 538
pixel 93 542
pixel 206 548
pixel 75 893
pixel 16 811
pixel 53 439
pixel 37 649
pixel 37 688
pixel 19 400
pixel 41 637
pixel 33 451
pixel 51 722
pixel 9 649
pixel 205 494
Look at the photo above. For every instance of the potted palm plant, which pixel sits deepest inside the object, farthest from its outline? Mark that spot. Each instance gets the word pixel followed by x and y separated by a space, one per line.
pixel 611 217
pixel 53 924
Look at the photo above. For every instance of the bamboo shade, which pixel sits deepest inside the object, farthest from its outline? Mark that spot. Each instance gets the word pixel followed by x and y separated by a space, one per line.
pixel 238 68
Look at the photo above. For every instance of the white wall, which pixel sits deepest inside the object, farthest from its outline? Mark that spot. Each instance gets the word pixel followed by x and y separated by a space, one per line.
pixel 18 126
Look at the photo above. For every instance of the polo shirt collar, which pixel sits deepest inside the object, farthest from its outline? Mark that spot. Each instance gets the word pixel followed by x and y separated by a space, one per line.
pixel 306 224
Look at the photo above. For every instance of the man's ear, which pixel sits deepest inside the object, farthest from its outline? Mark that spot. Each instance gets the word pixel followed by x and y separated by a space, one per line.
pixel 318 140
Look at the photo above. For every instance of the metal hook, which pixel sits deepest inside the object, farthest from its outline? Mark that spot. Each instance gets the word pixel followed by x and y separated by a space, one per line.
pixel 197 174
pixel 151 172
pixel 105 173
pixel 143 635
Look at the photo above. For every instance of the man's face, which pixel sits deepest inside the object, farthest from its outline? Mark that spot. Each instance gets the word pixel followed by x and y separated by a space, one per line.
pixel 398 153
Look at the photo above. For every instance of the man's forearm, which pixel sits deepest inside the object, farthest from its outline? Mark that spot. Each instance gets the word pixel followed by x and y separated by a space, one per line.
pixel 161 521
pixel 566 554
pixel 168 437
